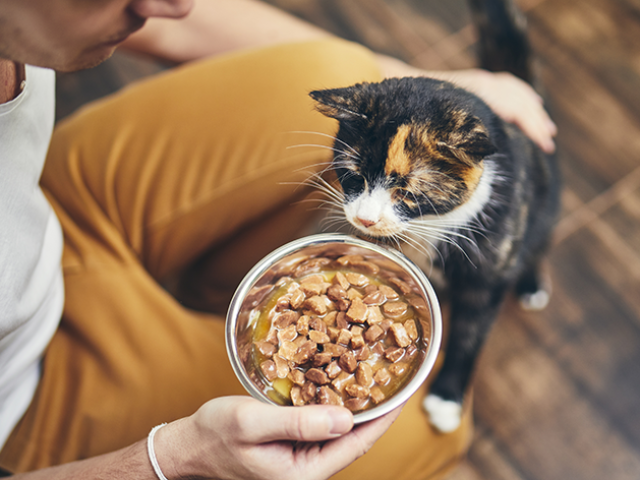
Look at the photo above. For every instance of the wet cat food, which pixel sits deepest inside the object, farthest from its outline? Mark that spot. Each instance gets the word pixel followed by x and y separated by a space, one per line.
pixel 335 331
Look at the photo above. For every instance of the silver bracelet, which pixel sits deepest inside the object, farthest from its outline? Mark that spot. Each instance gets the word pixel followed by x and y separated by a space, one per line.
pixel 152 452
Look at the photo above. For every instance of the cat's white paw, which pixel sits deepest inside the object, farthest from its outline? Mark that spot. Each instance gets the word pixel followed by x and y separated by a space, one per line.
pixel 534 302
pixel 445 415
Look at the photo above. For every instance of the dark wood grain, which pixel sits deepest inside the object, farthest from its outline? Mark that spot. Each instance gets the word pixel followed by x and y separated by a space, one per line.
pixel 557 393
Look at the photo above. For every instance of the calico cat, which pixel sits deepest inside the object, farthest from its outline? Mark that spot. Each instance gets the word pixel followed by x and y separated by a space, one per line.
pixel 431 168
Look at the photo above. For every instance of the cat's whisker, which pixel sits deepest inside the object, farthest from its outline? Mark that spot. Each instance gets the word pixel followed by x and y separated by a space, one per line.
pixel 441 234
pixel 347 174
pixel 324 204
pixel 333 223
pixel 432 186
pixel 443 231
pixel 340 160
pixel 445 238
pixel 420 247
pixel 329 190
pixel 441 220
pixel 337 151
pixel 454 227
pixel 312 167
pixel 433 207
pixel 420 173
pixel 325 187
pixel 415 199
pixel 397 243
pixel 440 237
pixel 334 138
pixel 336 163
pixel 311 171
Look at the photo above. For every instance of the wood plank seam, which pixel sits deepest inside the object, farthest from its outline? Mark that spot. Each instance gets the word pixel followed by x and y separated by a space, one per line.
pixel 591 210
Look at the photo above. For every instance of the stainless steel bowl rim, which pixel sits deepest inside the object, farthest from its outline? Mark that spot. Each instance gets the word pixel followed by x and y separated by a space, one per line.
pixel 314 240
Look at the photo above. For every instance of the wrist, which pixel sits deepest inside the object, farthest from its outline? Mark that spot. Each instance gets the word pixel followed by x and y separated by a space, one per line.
pixel 152 452
pixel 178 452
pixel 167 459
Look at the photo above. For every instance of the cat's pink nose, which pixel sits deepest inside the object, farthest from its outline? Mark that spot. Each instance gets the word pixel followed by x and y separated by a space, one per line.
pixel 367 223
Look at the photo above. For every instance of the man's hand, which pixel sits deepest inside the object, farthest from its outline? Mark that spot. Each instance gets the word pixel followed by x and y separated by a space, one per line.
pixel 242 438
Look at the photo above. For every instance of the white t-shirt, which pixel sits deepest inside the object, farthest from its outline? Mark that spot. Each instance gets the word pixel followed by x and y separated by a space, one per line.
pixel 31 287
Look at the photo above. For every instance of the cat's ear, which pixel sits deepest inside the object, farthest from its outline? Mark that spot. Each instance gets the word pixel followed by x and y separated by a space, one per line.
pixel 478 145
pixel 338 103
pixel 472 147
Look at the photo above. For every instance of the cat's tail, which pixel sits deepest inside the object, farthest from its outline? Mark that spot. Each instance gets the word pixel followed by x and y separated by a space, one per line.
pixel 503 42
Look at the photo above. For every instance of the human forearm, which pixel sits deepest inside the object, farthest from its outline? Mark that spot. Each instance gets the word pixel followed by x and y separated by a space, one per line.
pixel 219 26
pixel 130 463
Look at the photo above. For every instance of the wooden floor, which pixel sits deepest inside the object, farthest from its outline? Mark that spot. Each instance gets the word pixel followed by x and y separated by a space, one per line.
pixel 557 393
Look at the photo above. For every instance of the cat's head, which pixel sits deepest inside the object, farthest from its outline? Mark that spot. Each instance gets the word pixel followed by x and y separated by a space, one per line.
pixel 405 148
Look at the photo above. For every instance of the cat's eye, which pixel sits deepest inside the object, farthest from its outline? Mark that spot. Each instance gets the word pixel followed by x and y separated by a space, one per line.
pixel 352 183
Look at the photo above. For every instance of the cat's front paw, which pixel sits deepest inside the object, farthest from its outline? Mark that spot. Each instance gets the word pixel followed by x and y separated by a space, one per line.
pixel 534 302
pixel 444 415
pixel 534 291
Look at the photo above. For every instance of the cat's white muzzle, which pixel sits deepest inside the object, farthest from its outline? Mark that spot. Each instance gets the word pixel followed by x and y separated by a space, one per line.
pixel 373 213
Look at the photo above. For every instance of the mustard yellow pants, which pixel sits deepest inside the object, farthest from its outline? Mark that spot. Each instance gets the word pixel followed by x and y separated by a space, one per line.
pixel 199 166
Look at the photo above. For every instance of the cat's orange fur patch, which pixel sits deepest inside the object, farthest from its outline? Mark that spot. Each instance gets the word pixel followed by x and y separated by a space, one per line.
pixel 398 160
pixel 471 175
pixel 462 176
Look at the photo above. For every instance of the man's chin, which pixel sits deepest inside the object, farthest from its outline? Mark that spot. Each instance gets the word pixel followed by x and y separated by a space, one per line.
pixel 85 61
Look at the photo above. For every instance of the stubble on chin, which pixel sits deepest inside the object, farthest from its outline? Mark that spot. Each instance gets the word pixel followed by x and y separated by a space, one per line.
pixel 84 61
pixel 20 48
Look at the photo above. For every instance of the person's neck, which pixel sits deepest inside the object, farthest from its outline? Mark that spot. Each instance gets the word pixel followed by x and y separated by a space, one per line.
pixel 12 75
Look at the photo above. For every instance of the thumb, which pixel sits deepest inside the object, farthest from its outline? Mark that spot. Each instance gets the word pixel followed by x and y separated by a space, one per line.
pixel 310 423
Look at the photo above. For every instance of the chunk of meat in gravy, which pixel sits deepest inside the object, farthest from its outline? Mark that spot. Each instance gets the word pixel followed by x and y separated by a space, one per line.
pixel 339 339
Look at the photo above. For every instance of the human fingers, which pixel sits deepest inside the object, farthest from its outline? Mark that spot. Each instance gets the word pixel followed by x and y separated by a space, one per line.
pixel 517 102
pixel 368 433
pixel 532 118
pixel 262 423
pixel 332 456
pixel 539 131
pixel 312 442
pixel 241 437
pixel 286 460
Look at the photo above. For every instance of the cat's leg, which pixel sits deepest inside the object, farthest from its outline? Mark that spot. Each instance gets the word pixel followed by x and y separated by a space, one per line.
pixel 533 287
pixel 472 314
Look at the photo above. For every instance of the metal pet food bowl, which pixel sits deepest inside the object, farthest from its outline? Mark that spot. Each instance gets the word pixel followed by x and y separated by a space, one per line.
pixel 260 281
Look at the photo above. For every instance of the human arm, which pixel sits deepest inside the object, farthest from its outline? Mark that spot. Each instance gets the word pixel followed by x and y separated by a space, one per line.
pixel 220 26
pixel 238 438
